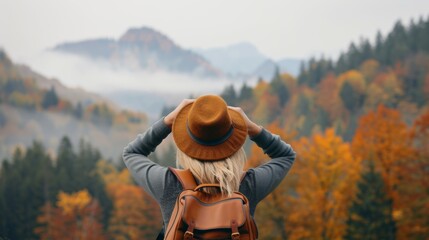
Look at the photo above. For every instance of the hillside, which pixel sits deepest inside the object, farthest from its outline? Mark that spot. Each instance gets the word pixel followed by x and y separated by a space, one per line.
pixel 33 107
pixel 365 114
pixel 335 94
pixel 142 48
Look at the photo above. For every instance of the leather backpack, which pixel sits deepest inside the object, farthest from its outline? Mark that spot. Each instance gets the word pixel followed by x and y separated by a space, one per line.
pixel 199 215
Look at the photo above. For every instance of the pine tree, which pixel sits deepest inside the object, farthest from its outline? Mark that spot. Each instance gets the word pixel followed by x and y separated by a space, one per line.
pixel 78 111
pixel 26 183
pixel 246 93
pixel 50 99
pixel 279 88
pixel 229 95
pixel 370 213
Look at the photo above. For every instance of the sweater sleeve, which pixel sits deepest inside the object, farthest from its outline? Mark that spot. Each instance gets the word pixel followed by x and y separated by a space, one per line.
pixel 148 174
pixel 269 175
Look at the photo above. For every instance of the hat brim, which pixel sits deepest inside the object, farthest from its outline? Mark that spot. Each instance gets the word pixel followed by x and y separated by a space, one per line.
pixel 203 152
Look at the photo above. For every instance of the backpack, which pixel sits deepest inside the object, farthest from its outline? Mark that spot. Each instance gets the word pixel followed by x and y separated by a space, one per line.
pixel 199 215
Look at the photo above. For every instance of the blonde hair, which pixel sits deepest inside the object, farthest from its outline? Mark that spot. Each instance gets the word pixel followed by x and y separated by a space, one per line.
pixel 227 172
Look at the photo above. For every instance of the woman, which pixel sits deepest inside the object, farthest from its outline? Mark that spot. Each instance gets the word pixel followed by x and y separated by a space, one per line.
pixel 209 136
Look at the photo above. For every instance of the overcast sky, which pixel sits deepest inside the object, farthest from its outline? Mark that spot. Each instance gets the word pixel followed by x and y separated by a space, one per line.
pixel 279 29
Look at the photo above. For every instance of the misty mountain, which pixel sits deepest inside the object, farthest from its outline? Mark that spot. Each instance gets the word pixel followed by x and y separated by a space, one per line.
pixel 245 60
pixel 34 107
pixel 290 65
pixel 267 69
pixel 236 59
pixel 142 48
pixel 73 95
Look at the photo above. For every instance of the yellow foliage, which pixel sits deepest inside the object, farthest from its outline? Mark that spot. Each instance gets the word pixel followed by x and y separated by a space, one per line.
pixel 327 174
pixel 289 81
pixel 369 68
pixel 70 203
pixel 355 79
pixel 260 89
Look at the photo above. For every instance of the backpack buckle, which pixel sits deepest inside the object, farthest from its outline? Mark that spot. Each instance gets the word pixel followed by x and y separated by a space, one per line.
pixel 188 235
pixel 235 236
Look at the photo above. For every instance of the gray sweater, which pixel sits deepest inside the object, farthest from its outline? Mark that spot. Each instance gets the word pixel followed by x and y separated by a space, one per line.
pixel 164 187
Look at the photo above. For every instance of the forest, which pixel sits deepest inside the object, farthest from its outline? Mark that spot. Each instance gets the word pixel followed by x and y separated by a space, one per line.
pixel 359 125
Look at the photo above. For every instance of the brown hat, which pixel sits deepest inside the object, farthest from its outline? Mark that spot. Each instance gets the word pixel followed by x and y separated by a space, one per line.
pixel 208 130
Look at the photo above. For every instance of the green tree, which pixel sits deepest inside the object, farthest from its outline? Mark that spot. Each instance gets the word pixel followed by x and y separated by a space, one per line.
pixel 229 95
pixel 26 183
pixel 370 213
pixel 78 111
pixel 246 93
pixel 279 88
pixel 351 98
pixel 50 99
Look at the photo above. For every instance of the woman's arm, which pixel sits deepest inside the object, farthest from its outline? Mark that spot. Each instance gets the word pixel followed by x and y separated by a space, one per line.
pixel 145 172
pixel 269 175
pixel 148 174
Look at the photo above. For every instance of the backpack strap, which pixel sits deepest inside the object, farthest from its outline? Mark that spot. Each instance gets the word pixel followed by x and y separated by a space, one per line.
pixel 185 177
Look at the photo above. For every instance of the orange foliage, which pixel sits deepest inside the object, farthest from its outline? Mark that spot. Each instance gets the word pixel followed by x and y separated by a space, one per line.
pixel 135 214
pixel 414 185
pixel 326 174
pixel 76 217
pixel 273 210
pixel 267 109
pixel 383 137
pixel 328 96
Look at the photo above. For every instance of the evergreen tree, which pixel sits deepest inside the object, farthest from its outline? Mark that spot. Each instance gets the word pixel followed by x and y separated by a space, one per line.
pixel 66 168
pixel 246 93
pixel 229 95
pixel 370 214
pixel 351 98
pixel 26 183
pixel 279 89
pixel 50 99
pixel 78 111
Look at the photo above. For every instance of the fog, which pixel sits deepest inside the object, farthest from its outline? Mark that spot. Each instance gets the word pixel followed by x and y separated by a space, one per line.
pixel 135 89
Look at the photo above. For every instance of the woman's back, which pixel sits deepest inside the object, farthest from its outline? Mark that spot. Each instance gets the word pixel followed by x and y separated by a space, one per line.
pixel 164 186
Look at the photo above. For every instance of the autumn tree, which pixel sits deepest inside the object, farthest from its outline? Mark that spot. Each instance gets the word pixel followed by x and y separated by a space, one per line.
pixel 383 137
pixel 273 211
pixel 326 174
pixel 414 185
pixel 76 216
pixel 385 89
pixel 135 214
pixel 328 97
pixel 267 108
pixel 352 89
pixel 370 214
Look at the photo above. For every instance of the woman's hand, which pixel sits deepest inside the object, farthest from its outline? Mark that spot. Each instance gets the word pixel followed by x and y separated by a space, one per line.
pixel 252 128
pixel 169 119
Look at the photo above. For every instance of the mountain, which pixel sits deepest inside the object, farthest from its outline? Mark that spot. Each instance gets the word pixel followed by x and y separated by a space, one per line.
pixel 235 59
pixel 73 95
pixel 265 70
pixel 142 48
pixel 244 59
pixel 290 65
pixel 33 107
